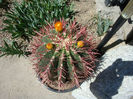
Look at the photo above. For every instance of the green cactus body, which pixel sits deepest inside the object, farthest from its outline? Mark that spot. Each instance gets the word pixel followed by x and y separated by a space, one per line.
pixel 58 59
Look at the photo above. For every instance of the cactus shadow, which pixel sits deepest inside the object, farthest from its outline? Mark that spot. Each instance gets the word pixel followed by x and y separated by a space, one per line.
pixel 109 81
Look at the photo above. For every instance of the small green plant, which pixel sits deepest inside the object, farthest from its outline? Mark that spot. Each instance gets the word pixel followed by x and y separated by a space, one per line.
pixel 103 24
pixel 63 54
pixel 30 15
pixel 13 49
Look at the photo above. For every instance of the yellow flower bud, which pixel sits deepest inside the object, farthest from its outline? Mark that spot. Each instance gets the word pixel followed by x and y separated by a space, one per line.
pixel 49 46
pixel 80 44
pixel 58 26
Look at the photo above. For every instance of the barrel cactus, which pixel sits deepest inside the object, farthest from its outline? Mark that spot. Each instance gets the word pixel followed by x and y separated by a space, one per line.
pixel 63 54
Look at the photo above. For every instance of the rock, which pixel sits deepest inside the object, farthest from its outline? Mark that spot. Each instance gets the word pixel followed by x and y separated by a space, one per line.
pixel 114 79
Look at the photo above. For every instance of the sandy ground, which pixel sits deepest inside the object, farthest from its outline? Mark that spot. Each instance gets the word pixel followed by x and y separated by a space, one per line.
pixel 18 81
pixel 85 11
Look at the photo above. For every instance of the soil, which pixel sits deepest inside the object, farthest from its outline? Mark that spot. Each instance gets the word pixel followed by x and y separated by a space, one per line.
pixel 4 35
pixel 85 11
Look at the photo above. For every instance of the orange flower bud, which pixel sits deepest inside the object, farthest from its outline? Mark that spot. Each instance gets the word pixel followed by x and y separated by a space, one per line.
pixel 80 44
pixel 58 26
pixel 49 46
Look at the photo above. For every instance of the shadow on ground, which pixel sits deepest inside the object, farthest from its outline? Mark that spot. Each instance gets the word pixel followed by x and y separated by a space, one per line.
pixel 109 81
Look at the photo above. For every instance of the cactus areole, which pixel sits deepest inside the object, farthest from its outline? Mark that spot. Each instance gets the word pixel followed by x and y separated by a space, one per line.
pixel 63 59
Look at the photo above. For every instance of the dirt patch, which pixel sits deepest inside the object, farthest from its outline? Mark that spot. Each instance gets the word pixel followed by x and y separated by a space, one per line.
pixel 4 7
pixel 85 10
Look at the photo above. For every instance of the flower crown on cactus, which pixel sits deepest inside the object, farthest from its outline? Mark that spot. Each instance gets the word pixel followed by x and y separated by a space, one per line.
pixel 63 53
